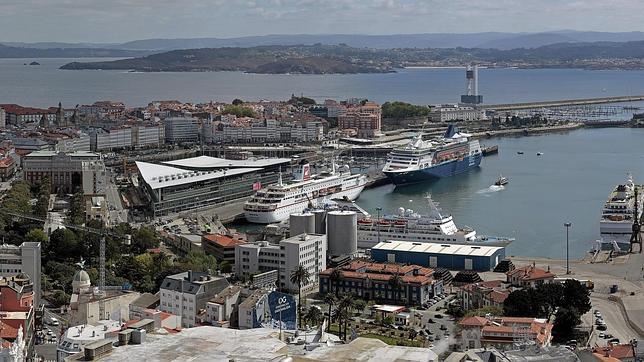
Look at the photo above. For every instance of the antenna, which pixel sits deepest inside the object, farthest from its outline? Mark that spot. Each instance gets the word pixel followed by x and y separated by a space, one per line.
pixel 279 177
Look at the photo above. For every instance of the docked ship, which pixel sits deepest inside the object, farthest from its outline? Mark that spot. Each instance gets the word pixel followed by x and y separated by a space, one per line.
pixel 420 160
pixel 408 225
pixel 619 213
pixel 275 203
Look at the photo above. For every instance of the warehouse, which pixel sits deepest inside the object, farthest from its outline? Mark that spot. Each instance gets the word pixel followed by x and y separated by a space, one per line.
pixel 449 256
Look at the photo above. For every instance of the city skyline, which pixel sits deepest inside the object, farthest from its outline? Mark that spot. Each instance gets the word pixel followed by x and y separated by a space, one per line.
pixel 125 20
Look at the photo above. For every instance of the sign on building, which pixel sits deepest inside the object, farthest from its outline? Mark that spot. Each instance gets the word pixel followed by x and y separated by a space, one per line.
pixel 283 309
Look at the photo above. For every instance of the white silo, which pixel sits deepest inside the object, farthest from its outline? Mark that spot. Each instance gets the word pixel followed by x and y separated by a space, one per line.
pixel 301 222
pixel 320 221
pixel 342 233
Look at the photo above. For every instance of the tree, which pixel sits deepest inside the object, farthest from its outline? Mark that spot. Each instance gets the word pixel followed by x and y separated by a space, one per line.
pixel 37 236
pixel 63 245
pixel 59 298
pixel 577 296
pixel 334 279
pixel 566 319
pixel 314 315
pixel 330 300
pixel 396 283
pixel 401 110
pixel 456 311
pixel 143 239
pixel 239 111
pixel 300 276
pixel 346 304
pixel 198 261
pixel 360 305
pixel 546 298
pixel 76 214
pixel 518 304
pixel 60 275
pixel 237 101
pixel 225 267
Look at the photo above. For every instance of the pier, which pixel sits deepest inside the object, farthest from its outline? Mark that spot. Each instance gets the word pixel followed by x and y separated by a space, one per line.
pixel 563 102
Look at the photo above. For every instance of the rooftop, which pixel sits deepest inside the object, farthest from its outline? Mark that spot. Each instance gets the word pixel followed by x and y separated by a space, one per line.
pixel 45 153
pixel 160 176
pixel 224 240
pixel 146 300
pixel 207 162
pixel 451 249
pixel 253 298
pixel 530 272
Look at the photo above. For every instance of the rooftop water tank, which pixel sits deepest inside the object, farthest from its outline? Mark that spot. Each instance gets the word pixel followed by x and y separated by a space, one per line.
pixel 342 233
pixel 301 222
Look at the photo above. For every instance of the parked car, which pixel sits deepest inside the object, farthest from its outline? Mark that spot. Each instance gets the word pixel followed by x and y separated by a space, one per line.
pixel 430 338
pixel 601 327
pixel 438 316
pixel 608 335
pixel 602 335
pixel 430 321
pixel 614 340
pixel 442 327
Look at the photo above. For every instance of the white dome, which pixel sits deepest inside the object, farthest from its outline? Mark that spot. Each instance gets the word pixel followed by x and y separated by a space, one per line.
pixel 81 276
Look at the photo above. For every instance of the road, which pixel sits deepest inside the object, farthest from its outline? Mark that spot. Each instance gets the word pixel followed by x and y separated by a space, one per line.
pixel 47 349
pixel 612 314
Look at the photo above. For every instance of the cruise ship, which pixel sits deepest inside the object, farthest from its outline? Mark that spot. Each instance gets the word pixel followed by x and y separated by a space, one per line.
pixel 616 223
pixel 408 225
pixel 275 203
pixel 423 160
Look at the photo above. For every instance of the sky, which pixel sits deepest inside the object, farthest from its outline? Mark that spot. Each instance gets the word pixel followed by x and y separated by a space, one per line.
pixel 124 20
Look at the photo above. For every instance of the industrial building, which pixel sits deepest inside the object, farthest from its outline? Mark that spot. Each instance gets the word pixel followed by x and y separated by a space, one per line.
pixel 308 250
pixel 448 256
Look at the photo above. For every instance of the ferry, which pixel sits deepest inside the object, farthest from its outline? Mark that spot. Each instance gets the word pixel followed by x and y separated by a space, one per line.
pixel 275 203
pixel 423 160
pixel 408 225
pixel 624 204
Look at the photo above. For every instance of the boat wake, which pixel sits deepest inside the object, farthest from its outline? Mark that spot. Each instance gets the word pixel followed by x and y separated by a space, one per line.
pixel 491 189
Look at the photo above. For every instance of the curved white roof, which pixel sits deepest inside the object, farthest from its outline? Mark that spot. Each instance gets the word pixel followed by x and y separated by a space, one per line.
pixel 214 162
pixel 160 176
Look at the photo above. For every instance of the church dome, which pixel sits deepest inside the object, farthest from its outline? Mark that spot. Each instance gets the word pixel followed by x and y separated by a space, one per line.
pixel 81 276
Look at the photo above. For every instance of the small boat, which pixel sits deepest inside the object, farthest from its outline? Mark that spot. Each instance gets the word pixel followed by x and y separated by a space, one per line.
pixel 501 181
pixel 519 152
pixel 539 153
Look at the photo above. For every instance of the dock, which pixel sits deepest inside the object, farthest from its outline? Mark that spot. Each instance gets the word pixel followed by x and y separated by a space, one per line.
pixel 564 102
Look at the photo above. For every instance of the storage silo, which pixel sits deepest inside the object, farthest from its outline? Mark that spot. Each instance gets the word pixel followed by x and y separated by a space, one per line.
pixel 301 222
pixel 320 221
pixel 342 232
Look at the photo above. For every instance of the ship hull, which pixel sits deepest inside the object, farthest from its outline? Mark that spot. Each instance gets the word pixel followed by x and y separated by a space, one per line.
pixel 436 172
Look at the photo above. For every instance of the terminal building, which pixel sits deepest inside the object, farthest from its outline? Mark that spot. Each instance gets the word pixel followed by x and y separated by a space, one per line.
pixel 448 256
pixel 204 181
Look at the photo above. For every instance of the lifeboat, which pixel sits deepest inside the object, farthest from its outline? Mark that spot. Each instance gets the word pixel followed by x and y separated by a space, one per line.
pixel 365 222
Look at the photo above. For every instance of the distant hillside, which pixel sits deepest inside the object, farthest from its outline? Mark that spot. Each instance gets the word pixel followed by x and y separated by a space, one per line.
pixel 16 52
pixel 272 59
pixel 328 59
pixel 494 40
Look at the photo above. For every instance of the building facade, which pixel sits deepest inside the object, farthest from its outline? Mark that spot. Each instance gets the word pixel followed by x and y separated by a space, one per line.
pixel 148 136
pixel 265 131
pixel 306 250
pixel 185 294
pixel 95 179
pixel 222 247
pixel 454 112
pixel 23 259
pixel 65 170
pixel 504 333
pixel 221 310
pixel 113 139
pixel 373 281
pixel 181 129
pixel 483 294
pixel 529 276
pixel 364 118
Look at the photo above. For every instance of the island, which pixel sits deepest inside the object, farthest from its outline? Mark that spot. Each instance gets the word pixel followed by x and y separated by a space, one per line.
pixel 34 63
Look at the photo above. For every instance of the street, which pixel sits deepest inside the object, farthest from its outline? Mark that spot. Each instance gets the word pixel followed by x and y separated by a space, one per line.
pixel 615 322
pixel 47 349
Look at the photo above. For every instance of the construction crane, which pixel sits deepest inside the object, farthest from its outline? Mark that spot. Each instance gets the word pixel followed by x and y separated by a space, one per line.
pixel 101 232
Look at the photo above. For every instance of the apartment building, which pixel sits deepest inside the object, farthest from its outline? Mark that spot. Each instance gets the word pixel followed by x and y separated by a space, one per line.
pixel 265 131
pixel 484 294
pixel 308 250
pixel 221 310
pixel 504 333
pixel 364 118
pixel 95 178
pixel 113 139
pixel 148 136
pixel 181 129
pixel 185 294
pixel 22 259
pixel 529 276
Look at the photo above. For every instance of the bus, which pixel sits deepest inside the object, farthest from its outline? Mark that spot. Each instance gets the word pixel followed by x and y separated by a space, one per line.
pixel 585 282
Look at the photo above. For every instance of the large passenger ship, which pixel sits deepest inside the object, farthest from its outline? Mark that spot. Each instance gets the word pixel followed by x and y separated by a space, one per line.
pixel 276 203
pixel 423 160
pixel 624 204
pixel 408 225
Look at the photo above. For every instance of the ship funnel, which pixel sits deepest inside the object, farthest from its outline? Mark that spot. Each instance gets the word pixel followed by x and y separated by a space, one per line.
pixel 451 131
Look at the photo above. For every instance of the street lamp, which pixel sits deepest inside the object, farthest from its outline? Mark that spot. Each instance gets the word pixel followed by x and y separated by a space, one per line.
pixel 567 225
pixel 378 209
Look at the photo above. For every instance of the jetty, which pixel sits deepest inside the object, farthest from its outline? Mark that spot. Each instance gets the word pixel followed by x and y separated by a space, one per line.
pixel 563 102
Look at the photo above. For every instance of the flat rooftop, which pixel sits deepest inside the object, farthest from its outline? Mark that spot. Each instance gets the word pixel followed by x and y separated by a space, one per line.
pixel 207 162
pixel 161 176
pixel 368 350
pixel 437 248
pixel 54 153
pixel 205 343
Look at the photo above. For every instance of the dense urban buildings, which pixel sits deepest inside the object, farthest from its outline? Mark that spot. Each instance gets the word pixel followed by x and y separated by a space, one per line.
pixel 365 118
pixel 23 259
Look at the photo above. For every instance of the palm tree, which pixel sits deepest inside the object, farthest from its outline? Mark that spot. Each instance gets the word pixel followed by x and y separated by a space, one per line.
pixel 395 282
pixel 314 315
pixel 300 276
pixel 334 278
pixel 346 305
pixel 330 300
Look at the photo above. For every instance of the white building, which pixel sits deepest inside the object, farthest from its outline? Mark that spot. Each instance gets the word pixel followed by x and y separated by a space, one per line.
pixel 22 259
pixel 95 179
pixel 81 142
pixel 252 308
pixel 262 131
pixel 148 136
pixel 181 129
pixel 3 118
pixel 185 294
pixel 77 337
pixel 63 169
pixel 117 138
pixel 454 112
pixel 307 250
pixel 221 308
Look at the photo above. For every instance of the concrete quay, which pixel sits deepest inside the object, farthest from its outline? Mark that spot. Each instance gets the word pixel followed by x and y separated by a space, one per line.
pixel 527 131
pixel 563 102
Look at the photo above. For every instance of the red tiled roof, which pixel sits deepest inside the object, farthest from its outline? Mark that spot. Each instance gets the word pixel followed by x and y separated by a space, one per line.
pixel 7 331
pixel 530 272
pixel 498 296
pixel 619 351
pixel 473 321
pixel 224 240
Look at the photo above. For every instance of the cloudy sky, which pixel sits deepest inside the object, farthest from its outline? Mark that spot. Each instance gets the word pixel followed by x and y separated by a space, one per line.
pixel 123 20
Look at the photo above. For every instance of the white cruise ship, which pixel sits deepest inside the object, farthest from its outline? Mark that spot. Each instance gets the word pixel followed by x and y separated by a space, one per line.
pixel 616 223
pixel 275 203
pixel 408 225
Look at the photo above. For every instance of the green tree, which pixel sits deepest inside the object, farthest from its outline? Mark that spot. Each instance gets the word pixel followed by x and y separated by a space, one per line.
pixel 76 213
pixel 566 319
pixel 63 245
pixel 546 298
pixel 396 284
pixel 237 101
pixel 300 276
pixel 225 267
pixel 576 296
pixel 401 110
pixel 334 278
pixel 143 239
pixel 60 275
pixel 59 298
pixel 198 261
pixel 37 236
pixel 239 111
pixel 314 315
pixel 455 311
pixel 518 304
pixel 330 300
pixel 360 305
